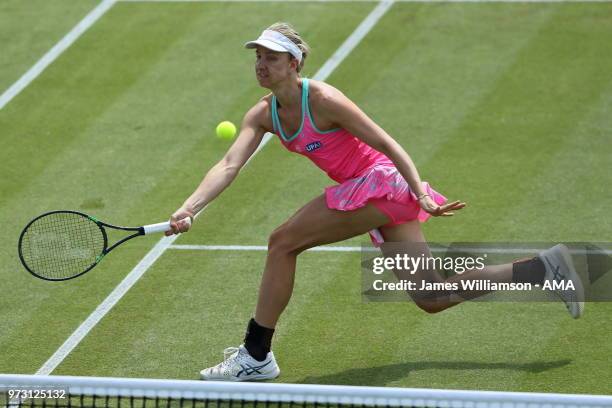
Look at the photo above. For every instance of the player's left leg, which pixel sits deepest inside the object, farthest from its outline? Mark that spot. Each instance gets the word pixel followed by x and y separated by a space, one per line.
pixel 408 239
pixel 552 264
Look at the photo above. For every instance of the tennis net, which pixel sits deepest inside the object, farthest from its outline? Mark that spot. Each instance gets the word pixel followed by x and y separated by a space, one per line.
pixel 65 391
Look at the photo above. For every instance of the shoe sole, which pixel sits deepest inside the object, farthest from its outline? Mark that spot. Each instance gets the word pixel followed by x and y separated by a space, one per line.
pixel 575 278
pixel 258 377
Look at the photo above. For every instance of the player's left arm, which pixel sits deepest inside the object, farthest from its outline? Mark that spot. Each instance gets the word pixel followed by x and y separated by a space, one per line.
pixel 345 113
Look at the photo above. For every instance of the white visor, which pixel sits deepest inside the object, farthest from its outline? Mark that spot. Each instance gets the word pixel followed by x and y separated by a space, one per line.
pixel 275 41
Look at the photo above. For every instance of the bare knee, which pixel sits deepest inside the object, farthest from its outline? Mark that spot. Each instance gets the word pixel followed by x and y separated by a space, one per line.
pixel 283 241
pixel 432 302
pixel 429 307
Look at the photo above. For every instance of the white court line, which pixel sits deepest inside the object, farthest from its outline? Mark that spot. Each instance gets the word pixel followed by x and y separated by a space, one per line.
pixel 164 243
pixel 56 51
pixel 260 248
pixel 372 249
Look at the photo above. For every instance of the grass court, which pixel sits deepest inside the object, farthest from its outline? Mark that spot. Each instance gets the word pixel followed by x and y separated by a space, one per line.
pixel 503 105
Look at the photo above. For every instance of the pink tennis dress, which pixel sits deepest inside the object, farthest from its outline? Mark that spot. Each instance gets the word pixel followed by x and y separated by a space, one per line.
pixel 363 173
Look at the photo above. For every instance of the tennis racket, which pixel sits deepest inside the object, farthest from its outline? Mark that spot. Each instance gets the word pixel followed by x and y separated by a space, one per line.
pixel 61 245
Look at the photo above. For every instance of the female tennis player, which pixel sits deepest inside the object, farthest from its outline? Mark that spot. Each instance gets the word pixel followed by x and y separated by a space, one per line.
pixel 378 190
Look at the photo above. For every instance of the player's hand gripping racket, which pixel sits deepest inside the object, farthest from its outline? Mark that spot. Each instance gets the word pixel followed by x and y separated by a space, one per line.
pixel 61 245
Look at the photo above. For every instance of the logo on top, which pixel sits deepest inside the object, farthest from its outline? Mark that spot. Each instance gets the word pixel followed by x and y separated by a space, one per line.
pixel 313 146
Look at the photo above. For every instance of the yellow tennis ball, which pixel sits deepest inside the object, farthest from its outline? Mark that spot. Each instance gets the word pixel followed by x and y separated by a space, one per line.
pixel 226 130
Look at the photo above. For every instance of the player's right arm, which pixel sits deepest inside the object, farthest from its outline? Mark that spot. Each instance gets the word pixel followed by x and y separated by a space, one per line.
pixel 221 175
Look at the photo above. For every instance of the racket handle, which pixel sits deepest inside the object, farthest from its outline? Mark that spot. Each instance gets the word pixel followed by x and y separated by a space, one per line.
pixel 159 227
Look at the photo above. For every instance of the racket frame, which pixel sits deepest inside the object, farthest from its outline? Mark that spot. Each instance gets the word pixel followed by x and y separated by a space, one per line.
pixel 138 231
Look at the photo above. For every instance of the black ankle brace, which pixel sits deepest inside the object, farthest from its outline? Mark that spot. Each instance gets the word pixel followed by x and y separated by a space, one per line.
pixel 528 271
pixel 258 340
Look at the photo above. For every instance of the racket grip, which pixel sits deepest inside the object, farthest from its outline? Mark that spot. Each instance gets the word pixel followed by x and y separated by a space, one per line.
pixel 159 227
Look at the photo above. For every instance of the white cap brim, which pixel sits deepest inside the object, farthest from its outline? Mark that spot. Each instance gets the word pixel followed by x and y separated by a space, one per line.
pixel 271 45
pixel 275 41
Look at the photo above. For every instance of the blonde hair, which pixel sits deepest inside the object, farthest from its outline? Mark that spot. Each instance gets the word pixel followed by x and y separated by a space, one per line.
pixel 288 31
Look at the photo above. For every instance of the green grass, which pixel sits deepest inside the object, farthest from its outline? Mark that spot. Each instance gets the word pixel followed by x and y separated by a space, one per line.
pixel 505 106
pixel 29 29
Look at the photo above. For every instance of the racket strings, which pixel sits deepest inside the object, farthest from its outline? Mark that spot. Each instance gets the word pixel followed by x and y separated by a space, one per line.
pixel 61 245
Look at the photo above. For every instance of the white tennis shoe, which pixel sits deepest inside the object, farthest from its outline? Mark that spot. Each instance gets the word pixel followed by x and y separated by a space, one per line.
pixel 238 365
pixel 560 271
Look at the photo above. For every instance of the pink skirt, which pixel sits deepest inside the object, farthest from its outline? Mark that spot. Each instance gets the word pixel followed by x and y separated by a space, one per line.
pixel 386 189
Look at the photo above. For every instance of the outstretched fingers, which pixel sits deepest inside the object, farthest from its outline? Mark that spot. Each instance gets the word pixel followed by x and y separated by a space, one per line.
pixel 447 209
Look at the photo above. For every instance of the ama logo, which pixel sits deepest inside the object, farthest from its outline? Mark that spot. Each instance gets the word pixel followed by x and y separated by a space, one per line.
pixel 313 146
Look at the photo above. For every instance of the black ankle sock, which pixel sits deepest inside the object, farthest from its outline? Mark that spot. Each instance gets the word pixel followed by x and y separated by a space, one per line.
pixel 258 340
pixel 528 271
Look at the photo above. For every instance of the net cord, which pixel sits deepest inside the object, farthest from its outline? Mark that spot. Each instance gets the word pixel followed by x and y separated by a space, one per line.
pixel 302 393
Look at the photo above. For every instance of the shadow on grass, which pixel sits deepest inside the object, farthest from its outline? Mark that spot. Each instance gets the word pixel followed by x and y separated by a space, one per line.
pixel 383 375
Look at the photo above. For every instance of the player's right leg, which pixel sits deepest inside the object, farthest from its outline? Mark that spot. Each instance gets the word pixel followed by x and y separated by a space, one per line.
pixel 239 365
pixel 314 224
